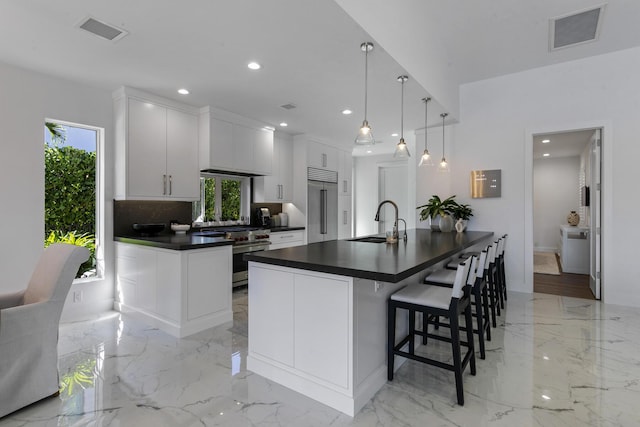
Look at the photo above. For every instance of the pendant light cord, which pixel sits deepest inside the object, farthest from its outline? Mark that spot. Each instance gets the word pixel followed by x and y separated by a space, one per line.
pixel 443 116
pixel 402 111
pixel 366 77
pixel 426 107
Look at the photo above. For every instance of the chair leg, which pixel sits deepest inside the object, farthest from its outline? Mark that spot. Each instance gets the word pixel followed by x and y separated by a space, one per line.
pixel 494 288
pixel 412 331
pixel 500 284
pixel 425 327
pixel 504 278
pixel 479 316
pixel 391 338
pixel 485 307
pixel 468 321
pixel 457 358
pixel 492 299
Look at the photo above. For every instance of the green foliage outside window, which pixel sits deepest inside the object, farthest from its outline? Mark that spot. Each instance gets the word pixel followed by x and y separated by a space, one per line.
pixel 69 195
pixel 230 199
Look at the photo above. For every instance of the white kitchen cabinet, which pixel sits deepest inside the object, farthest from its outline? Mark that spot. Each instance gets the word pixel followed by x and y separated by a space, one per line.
pixel 156 145
pixel 322 156
pixel 232 143
pixel 277 187
pixel 345 173
pixel 286 239
pixel 179 292
pixel 574 249
pixel 345 218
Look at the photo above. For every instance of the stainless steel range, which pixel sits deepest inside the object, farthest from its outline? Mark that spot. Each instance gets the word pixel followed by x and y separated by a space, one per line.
pixel 245 239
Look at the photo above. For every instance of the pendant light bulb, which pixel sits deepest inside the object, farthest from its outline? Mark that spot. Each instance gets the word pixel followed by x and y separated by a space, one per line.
pixel 443 166
pixel 365 136
pixel 402 151
pixel 426 159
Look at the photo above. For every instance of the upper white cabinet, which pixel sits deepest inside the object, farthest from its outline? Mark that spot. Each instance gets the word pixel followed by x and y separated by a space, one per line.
pixel 229 142
pixel 322 156
pixel 345 173
pixel 277 187
pixel 156 144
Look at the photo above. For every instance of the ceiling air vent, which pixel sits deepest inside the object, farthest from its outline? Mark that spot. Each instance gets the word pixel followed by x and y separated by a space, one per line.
pixel 102 30
pixel 576 28
pixel 289 106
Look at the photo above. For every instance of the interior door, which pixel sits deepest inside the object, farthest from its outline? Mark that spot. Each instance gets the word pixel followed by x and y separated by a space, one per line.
pixel 392 186
pixel 595 212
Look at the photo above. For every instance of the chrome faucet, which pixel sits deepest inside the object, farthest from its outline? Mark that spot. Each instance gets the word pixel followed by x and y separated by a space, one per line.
pixel 395 223
pixel 404 236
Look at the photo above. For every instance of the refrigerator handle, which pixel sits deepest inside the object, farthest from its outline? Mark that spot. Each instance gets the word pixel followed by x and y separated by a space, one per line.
pixel 323 211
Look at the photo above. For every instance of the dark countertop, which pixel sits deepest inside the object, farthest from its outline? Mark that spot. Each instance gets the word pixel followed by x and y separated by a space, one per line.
pixel 375 261
pixel 281 229
pixel 178 242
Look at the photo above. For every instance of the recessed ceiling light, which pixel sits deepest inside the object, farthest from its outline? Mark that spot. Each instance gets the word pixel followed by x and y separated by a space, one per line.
pixel 368 151
pixel 394 134
pixel 546 154
pixel 253 66
pixel 545 397
pixel 284 125
pixel 346 112
pixel 546 141
pixel 183 91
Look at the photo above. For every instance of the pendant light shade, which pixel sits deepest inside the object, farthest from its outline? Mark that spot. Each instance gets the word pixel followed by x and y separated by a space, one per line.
pixel 443 166
pixel 402 151
pixel 426 159
pixel 365 136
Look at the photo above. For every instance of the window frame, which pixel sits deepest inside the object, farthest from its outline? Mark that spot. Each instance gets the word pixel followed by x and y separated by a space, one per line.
pixel 245 192
pixel 99 213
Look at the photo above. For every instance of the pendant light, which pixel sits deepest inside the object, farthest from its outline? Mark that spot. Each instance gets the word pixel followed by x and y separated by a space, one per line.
pixel 425 160
pixel 365 136
pixel 402 151
pixel 443 166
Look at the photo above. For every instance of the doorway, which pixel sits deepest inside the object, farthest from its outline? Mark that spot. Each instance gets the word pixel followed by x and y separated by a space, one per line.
pixel 566 212
pixel 392 185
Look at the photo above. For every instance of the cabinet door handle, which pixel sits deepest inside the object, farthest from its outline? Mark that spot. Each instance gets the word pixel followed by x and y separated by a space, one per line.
pixel 344 217
pixel 324 160
pixel 164 185
pixel 344 185
pixel 170 185
pixel 280 191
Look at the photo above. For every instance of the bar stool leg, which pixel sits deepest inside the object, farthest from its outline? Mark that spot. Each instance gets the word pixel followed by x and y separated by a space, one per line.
pixel 412 331
pixel 485 308
pixel 468 321
pixel 391 338
pixel 457 358
pixel 479 319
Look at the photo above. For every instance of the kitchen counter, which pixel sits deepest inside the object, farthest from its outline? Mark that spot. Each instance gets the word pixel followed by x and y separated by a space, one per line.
pixel 317 312
pixel 178 242
pixel 377 261
pixel 281 229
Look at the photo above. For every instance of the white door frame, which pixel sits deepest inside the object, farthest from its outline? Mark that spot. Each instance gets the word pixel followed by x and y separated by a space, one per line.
pixel 605 202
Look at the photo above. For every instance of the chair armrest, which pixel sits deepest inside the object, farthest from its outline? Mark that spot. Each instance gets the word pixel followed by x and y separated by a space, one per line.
pixel 25 320
pixel 11 300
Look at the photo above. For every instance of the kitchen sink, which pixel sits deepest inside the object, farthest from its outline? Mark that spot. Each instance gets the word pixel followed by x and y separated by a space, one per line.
pixel 370 239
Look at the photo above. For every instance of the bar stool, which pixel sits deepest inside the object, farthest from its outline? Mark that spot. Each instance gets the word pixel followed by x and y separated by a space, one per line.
pixel 499 274
pixel 501 267
pixel 434 301
pixel 446 277
pixel 490 277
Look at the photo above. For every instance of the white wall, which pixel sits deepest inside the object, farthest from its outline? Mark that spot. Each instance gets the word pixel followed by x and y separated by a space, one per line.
pixel 555 194
pixel 429 181
pixel 27 99
pixel 499 117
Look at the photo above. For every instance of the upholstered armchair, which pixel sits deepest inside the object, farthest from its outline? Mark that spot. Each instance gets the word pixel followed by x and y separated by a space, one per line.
pixel 29 329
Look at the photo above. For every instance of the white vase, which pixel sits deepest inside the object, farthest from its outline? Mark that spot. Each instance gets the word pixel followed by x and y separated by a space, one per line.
pixel 446 224
pixel 435 223
pixel 460 225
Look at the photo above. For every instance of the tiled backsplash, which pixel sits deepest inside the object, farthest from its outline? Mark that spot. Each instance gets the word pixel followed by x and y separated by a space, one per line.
pixel 128 212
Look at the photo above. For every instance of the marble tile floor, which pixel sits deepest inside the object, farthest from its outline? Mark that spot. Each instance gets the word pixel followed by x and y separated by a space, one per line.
pixel 553 361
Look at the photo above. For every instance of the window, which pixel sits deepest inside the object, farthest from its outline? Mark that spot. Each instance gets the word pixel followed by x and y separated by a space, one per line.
pixel 222 198
pixel 71 188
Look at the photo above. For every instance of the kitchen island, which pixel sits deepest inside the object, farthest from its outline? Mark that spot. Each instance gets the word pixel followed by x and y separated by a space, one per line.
pixel 317 313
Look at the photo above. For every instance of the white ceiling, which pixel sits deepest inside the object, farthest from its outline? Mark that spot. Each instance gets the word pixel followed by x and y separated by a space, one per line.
pixel 309 49
pixel 564 144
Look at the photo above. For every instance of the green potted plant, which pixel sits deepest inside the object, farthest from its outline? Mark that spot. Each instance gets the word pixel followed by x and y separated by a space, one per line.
pixel 461 214
pixel 437 207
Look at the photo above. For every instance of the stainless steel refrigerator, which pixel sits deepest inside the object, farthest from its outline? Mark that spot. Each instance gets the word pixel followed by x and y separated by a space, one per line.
pixel 322 205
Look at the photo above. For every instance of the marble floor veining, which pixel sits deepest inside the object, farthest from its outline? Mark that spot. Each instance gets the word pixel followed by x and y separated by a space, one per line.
pixel 553 361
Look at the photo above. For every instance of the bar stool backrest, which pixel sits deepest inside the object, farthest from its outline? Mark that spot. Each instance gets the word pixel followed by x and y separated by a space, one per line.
pixel 491 255
pixel 461 277
pixel 471 278
pixel 482 263
pixel 500 246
